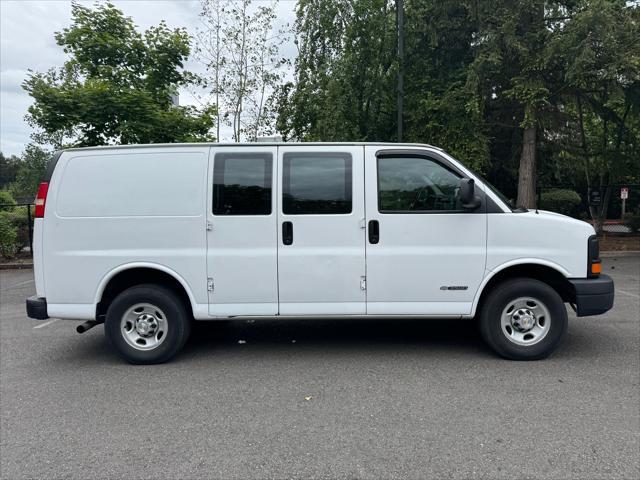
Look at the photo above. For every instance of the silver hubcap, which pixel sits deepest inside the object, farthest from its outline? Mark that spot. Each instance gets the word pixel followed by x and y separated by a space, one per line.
pixel 144 326
pixel 525 321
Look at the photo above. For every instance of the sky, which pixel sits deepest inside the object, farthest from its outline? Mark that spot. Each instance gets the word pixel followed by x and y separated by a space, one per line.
pixel 27 41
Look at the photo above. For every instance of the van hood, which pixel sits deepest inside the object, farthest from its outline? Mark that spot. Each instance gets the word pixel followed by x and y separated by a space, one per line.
pixel 558 217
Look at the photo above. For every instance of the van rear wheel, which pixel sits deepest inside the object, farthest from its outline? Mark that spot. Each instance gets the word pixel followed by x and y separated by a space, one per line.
pixel 523 319
pixel 147 324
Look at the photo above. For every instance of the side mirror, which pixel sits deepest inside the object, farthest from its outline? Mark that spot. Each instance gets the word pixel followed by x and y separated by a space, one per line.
pixel 466 194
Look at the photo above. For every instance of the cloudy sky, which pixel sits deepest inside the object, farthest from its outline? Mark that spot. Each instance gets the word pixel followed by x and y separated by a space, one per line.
pixel 27 42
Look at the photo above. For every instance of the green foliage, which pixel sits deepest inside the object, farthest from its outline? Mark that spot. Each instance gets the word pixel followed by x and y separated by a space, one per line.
pixel 8 169
pixel 31 171
pixel 6 199
pixel 347 68
pixel 117 85
pixel 237 45
pixel 345 73
pixel 561 201
pixel 477 74
pixel 8 237
pixel 18 222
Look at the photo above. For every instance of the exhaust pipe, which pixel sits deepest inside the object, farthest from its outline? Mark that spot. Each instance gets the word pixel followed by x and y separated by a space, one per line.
pixel 88 325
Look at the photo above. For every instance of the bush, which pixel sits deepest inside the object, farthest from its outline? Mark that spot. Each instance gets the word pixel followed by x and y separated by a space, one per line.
pixel 561 201
pixel 632 221
pixel 8 237
pixel 6 199
pixel 18 222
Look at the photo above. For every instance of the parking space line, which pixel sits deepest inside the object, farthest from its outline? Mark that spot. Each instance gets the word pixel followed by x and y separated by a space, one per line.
pixel 46 323
pixel 628 293
pixel 16 285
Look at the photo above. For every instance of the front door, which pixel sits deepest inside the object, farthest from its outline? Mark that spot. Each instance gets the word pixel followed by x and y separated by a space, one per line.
pixel 425 255
pixel 321 236
pixel 241 231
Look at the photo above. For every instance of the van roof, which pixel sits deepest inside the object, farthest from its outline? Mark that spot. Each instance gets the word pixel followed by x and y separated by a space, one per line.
pixel 252 144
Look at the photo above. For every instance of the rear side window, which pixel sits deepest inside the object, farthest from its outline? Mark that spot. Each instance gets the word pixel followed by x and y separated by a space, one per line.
pixel 316 183
pixel 242 183
pixel 416 184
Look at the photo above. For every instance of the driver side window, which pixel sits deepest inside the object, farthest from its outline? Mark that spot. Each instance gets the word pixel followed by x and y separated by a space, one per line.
pixel 416 184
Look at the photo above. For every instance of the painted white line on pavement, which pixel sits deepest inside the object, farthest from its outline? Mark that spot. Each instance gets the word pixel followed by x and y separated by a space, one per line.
pixel 16 285
pixel 46 323
pixel 628 293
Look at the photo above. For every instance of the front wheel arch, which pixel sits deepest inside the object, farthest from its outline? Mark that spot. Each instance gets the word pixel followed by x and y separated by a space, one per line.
pixel 543 273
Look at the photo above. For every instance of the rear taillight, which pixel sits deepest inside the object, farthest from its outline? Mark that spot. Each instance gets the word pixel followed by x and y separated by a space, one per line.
pixel 41 199
pixel 594 264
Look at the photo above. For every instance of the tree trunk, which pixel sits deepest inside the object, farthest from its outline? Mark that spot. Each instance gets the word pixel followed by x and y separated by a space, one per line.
pixel 527 171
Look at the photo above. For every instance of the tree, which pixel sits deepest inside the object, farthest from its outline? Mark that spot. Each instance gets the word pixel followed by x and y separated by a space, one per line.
pixel 31 171
pixel 600 49
pixel 346 73
pixel 511 74
pixel 519 89
pixel 240 50
pixel 117 85
pixel 440 106
pixel 8 169
pixel 210 49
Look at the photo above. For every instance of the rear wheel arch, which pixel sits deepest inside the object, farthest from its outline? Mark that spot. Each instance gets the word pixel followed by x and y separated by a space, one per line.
pixel 537 271
pixel 128 276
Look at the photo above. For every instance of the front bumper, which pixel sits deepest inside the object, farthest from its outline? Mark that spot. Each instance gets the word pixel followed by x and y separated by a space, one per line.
pixel 37 308
pixel 593 296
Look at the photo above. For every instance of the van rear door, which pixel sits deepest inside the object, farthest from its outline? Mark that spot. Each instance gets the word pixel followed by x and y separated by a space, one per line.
pixel 241 232
pixel 321 237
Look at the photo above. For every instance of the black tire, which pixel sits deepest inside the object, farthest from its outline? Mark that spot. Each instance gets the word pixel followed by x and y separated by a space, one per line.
pixel 178 323
pixel 498 300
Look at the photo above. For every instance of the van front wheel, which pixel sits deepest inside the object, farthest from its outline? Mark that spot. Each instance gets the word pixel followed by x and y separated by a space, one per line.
pixel 523 319
pixel 147 324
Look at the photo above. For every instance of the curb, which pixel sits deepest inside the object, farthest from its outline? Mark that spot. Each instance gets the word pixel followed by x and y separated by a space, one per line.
pixel 16 266
pixel 621 253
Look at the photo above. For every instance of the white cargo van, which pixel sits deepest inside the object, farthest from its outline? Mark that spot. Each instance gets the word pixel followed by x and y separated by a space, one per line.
pixel 148 238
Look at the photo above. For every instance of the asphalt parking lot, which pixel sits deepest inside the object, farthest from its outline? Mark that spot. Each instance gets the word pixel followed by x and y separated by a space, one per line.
pixel 323 399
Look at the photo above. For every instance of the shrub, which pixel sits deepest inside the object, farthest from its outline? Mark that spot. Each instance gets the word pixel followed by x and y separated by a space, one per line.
pixel 561 201
pixel 8 237
pixel 6 199
pixel 632 221
pixel 20 222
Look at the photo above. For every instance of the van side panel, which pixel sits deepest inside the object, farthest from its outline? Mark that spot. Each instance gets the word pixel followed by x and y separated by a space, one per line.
pixel 110 208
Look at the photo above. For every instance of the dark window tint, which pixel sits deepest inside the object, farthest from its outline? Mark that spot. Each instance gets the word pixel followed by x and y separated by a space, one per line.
pixel 410 184
pixel 316 184
pixel 242 184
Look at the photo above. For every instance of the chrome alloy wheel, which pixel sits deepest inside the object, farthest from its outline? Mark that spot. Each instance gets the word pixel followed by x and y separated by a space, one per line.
pixel 144 326
pixel 525 321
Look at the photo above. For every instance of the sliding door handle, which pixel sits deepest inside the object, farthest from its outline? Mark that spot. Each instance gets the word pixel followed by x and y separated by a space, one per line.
pixel 374 231
pixel 287 233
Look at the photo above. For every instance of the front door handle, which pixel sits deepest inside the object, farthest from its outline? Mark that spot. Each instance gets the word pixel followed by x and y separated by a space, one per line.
pixel 374 231
pixel 287 233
